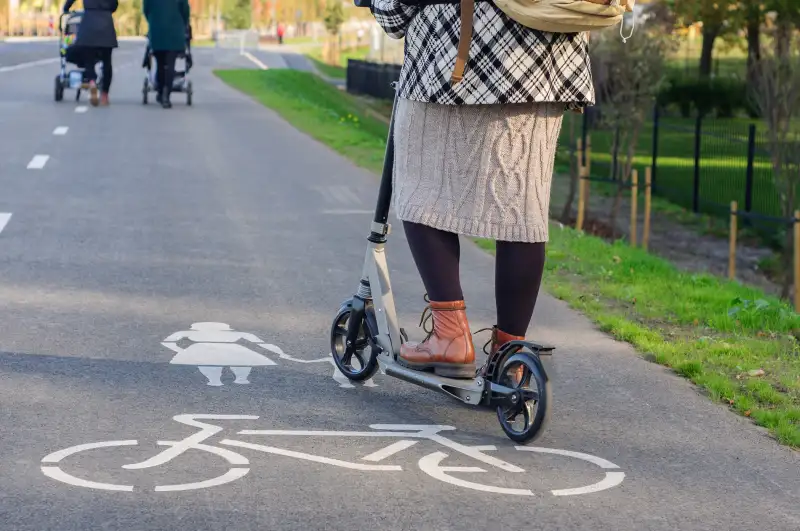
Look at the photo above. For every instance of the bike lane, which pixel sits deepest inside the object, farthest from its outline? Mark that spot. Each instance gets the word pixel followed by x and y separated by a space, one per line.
pixel 213 245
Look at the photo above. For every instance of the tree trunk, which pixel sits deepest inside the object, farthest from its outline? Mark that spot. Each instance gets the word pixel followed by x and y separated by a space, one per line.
pixel 566 212
pixel 753 48
pixel 783 38
pixel 710 33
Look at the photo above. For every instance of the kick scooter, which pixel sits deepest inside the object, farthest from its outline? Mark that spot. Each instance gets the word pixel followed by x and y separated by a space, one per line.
pixel 366 336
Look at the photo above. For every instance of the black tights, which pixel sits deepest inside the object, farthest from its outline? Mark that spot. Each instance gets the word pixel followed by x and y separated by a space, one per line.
pixel 94 56
pixel 165 70
pixel 518 273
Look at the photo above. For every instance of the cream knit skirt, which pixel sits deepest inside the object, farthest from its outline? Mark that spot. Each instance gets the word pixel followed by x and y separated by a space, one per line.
pixel 477 170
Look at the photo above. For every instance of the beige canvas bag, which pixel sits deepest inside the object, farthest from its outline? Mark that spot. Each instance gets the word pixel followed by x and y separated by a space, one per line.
pixel 556 16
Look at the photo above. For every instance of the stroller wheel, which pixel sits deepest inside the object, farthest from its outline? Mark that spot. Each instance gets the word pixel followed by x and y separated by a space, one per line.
pixel 145 90
pixel 59 89
pixel 189 92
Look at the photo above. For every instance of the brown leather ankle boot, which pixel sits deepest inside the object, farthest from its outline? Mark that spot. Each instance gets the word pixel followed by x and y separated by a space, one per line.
pixel 448 349
pixel 500 338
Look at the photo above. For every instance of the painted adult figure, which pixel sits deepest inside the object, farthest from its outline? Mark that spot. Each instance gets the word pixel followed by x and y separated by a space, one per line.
pixel 168 21
pixel 96 39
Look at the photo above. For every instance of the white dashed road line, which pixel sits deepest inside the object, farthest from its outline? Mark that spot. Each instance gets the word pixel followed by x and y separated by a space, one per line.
pixel 60 131
pixel 12 68
pixel 4 219
pixel 38 162
pixel 81 109
pixel 255 60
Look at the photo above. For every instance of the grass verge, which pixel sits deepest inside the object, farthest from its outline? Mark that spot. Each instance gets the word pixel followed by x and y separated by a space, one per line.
pixel 733 341
pixel 337 71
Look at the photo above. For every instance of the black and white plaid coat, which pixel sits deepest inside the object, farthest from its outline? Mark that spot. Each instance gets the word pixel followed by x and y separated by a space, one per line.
pixel 508 62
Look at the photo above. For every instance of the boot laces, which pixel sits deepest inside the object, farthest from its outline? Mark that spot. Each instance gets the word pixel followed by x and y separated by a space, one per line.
pixel 427 324
pixel 486 346
pixel 426 319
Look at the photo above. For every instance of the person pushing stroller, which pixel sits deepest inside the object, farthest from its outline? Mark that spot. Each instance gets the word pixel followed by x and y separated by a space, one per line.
pixel 96 39
pixel 168 21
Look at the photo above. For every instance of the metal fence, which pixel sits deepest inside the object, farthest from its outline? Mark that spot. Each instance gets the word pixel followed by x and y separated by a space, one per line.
pixel 372 79
pixel 237 39
pixel 700 163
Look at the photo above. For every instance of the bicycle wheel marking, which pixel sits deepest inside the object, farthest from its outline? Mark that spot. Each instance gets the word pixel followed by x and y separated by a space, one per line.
pixel 55 472
pixel 56 457
pixel 611 479
pixel 231 475
pixel 599 461
pixel 430 465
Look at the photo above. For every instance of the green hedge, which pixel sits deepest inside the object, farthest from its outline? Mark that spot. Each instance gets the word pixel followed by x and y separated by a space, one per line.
pixel 723 97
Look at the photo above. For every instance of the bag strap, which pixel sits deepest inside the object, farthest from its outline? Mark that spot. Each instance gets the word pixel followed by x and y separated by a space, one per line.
pixel 464 40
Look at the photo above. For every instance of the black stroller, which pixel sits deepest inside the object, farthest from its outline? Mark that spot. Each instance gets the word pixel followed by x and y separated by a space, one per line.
pixel 181 83
pixel 68 25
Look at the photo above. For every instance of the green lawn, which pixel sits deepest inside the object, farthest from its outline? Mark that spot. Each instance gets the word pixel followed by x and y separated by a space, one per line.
pixel 717 333
pixel 338 71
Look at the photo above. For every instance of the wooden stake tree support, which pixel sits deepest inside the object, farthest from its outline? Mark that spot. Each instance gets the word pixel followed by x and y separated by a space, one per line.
pixel 732 247
pixel 796 226
pixel 634 207
pixel 583 180
pixel 648 191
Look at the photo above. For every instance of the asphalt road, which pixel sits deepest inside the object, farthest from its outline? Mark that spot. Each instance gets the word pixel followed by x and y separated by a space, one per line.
pixel 142 222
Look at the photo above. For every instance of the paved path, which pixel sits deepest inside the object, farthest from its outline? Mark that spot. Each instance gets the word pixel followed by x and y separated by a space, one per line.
pixel 142 222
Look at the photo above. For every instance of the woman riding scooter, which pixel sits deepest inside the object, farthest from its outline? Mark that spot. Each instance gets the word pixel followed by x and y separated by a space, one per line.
pixel 168 21
pixel 474 156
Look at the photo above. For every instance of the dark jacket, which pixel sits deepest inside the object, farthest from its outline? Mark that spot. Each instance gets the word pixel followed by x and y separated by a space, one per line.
pixel 97 26
pixel 168 20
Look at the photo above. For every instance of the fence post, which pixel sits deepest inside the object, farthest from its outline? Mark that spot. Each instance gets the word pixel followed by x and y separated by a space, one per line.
pixel 732 245
pixel 634 207
pixel 796 226
pixel 648 191
pixel 698 131
pixel 751 155
pixel 615 156
pixel 585 134
pixel 656 125
pixel 581 189
pixel 588 157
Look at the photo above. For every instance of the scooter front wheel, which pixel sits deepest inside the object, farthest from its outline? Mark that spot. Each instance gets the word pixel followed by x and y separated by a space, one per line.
pixel 522 371
pixel 357 360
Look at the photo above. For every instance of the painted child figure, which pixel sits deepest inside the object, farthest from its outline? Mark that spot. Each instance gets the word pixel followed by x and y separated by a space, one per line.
pixel 214 347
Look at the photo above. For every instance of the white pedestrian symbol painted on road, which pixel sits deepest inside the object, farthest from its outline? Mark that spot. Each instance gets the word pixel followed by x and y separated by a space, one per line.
pixel 216 346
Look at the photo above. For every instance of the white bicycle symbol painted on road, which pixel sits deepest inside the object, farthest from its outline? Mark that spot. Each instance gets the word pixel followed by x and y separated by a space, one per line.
pixel 409 435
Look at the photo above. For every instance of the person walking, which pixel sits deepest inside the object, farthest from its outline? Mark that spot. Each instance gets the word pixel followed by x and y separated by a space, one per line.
pixel 281 32
pixel 95 41
pixel 168 21
pixel 474 155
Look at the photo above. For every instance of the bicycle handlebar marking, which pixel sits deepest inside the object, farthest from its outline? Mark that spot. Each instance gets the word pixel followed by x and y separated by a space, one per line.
pixel 409 435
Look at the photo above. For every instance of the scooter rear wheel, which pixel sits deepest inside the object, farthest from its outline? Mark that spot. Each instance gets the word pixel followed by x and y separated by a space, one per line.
pixel 359 362
pixel 523 371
